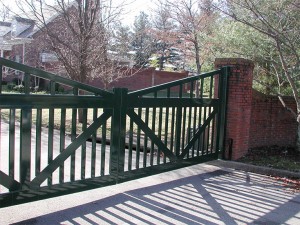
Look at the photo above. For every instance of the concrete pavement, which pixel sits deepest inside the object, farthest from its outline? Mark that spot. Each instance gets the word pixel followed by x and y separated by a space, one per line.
pixel 200 194
pixel 212 193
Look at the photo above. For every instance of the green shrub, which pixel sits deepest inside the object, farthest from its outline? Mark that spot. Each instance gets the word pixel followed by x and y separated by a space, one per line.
pixel 16 81
pixel 61 89
pixel 19 88
pixel 10 86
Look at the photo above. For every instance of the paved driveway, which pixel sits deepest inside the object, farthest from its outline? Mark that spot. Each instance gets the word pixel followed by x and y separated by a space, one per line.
pixel 201 194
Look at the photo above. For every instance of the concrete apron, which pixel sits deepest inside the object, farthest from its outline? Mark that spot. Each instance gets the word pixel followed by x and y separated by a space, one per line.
pixel 200 194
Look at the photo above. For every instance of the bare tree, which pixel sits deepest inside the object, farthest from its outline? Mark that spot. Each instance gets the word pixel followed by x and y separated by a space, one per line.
pixel 142 39
pixel 191 19
pixel 164 33
pixel 280 22
pixel 4 12
pixel 79 35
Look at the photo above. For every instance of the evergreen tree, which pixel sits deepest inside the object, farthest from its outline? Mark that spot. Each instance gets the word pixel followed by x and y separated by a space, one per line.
pixel 279 22
pixel 142 40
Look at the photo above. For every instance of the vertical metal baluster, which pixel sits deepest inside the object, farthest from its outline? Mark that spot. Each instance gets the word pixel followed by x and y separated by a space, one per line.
pixel 103 149
pixel 200 123
pixel 83 146
pixel 38 149
pixel 146 139
pixel 203 136
pixel 178 128
pixel 167 125
pixel 50 140
pixel 184 128
pixel 209 133
pixel 172 136
pixel 12 133
pixel 191 89
pixel 62 142
pixel 94 146
pixel 27 83
pixel 195 129
pixel 73 136
pixel 153 128
pixel 160 122
pixel 138 141
pixel 189 129
pixel 130 145
pixel 213 136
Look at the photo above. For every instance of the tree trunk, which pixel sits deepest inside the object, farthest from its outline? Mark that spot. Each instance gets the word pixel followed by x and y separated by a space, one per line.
pixel 161 63
pixel 298 135
pixel 198 64
pixel 80 115
pixel 80 110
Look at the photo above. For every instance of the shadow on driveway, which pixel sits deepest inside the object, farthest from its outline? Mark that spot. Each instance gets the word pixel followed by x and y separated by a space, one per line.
pixel 218 197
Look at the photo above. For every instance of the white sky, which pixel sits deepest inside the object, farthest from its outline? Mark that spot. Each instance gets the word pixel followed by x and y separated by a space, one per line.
pixel 133 8
pixel 138 6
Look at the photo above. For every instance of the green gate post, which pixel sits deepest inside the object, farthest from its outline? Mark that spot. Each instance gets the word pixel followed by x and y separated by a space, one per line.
pixel 118 129
pixel 223 86
pixel 25 138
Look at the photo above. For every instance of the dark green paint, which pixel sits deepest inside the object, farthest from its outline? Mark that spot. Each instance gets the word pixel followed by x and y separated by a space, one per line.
pixel 163 124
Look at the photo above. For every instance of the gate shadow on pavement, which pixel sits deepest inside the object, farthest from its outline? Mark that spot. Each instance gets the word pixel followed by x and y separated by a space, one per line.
pixel 218 197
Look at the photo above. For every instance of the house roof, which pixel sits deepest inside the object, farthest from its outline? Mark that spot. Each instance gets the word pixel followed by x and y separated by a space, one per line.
pixel 50 14
pixel 15 32
pixel 5 24
pixel 24 20
pixel 5 27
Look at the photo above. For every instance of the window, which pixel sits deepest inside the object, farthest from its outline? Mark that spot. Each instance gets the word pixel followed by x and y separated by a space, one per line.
pixel 48 57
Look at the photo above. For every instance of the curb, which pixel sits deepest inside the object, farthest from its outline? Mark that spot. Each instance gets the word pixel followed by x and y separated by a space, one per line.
pixel 254 169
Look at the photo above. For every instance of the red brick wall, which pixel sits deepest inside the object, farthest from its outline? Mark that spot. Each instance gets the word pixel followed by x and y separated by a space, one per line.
pixel 142 79
pixel 254 119
pixel 271 124
pixel 239 103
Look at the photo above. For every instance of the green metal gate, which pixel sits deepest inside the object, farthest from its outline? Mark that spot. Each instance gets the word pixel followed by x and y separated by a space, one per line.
pixel 45 151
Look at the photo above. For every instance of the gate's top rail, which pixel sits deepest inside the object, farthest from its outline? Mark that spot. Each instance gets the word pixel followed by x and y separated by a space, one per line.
pixel 178 83
pixel 30 71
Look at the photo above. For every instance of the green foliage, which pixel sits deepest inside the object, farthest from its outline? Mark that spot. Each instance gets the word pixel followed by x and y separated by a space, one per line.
pixel 241 41
pixel 122 38
pixel 168 69
pixel 142 41
pixel 58 88
pixel 279 22
pixel 10 86
pixel 154 62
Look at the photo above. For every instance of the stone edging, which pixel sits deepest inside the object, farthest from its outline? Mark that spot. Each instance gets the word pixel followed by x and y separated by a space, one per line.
pixel 255 169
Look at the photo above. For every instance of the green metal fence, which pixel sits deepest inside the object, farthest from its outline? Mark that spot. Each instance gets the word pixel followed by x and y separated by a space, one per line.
pixel 46 151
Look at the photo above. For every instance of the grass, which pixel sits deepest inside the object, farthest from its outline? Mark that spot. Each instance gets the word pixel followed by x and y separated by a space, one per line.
pixel 167 130
pixel 284 158
pixel 5 115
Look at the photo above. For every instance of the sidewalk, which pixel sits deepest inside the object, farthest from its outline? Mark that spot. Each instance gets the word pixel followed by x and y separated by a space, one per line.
pixel 200 194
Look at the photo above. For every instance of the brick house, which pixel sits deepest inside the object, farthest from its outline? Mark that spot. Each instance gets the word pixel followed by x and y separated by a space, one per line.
pixel 23 41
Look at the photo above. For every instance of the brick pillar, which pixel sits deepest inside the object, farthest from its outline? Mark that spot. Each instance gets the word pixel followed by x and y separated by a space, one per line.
pixel 239 103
